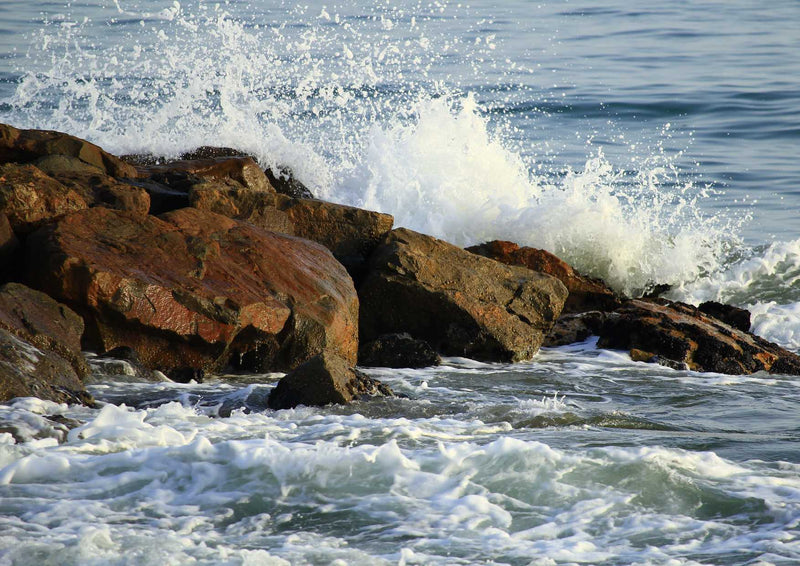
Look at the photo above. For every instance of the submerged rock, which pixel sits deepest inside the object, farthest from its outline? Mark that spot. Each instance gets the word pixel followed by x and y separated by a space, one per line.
pixel 684 335
pixel 324 379
pixel 461 303
pixel 398 351
pixel 585 293
pixel 196 290
pixel 40 351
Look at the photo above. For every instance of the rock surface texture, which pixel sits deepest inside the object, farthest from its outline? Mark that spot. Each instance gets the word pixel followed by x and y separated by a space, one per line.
pixel 397 351
pixel 40 351
pixel 683 334
pixel 585 293
pixel 196 290
pixel 461 303
pixel 323 380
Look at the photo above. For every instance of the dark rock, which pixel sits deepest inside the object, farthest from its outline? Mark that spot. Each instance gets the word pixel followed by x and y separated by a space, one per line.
pixel 122 360
pixel 196 290
pixel 683 334
pixel 349 233
pixel 577 327
pixel 29 198
pixel 585 293
pixel 9 244
pixel 25 146
pixel 211 152
pixel 323 380
pixel 285 183
pixel 40 351
pixel 226 171
pixel 461 303
pixel 730 315
pixel 186 375
pixel 397 351
pixel 650 358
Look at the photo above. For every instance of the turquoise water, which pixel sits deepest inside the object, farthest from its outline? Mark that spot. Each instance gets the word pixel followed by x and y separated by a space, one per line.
pixel 643 144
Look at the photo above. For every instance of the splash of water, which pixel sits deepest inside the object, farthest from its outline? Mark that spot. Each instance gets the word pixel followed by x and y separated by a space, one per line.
pixel 370 110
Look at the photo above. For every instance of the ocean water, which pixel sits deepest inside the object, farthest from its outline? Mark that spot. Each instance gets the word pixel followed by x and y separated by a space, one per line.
pixel 644 144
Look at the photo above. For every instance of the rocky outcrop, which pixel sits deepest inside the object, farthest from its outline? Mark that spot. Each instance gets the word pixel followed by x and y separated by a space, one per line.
pixel 324 380
pixel 733 316
pixel 397 351
pixel 9 243
pixel 585 293
pixel 26 146
pixel 461 303
pixel 196 290
pixel 575 327
pixel 40 351
pixel 349 233
pixel 225 171
pixel 683 334
pixel 29 198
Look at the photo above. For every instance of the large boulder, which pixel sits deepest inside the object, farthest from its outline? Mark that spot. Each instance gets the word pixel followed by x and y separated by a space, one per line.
pixel 25 146
pixel 683 334
pixel 323 380
pixel 349 233
pixel 585 293
pixel 30 198
pixel 461 303
pixel 40 351
pixel 196 290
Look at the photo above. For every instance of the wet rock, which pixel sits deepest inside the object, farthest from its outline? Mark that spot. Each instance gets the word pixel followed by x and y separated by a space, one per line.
pixel 121 361
pixel 284 182
pixel 324 380
pixel 96 188
pixel 460 303
pixel 350 233
pixel 25 146
pixel 576 327
pixel 9 244
pixel 651 358
pixel 683 334
pixel 397 351
pixel 226 171
pixel 196 290
pixel 40 351
pixel 29 198
pixel 585 293
pixel 733 316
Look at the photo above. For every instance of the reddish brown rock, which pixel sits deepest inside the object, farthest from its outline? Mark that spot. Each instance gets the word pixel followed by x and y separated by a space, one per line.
pixel 350 233
pixel 29 198
pixel 324 380
pixel 230 171
pixel 96 188
pixel 585 294
pixel 681 333
pixel 197 290
pixel 25 146
pixel 460 303
pixel 40 351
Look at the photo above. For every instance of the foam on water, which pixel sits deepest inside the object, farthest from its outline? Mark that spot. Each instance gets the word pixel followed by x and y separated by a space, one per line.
pixel 309 488
pixel 373 110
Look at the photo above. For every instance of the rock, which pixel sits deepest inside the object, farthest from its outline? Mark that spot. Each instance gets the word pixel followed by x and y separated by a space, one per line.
pixel 683 334
pixel 121 361
pixel 397 351
pixel 211 152
pixel 40 351
pixel 29 198
pixel 576 327
pixel 25 146
pixel 650 358
pixel 730 315
pixel 585 293
pixel 323 380
pixel 226 171
pixel 9 244
pixel 461 303
pixel 96 188
pixel 285 183
pixel 195 290
pixel 349 233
